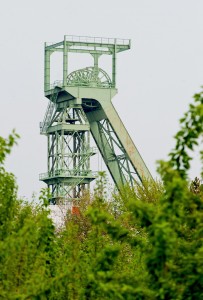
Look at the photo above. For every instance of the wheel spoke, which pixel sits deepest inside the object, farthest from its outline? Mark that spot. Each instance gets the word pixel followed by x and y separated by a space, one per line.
pixel 89 77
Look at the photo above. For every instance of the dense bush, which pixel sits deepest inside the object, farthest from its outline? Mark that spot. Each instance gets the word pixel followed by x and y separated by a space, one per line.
pixel 146 243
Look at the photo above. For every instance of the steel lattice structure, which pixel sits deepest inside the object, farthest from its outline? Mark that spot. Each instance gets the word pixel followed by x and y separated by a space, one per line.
pixel 79 105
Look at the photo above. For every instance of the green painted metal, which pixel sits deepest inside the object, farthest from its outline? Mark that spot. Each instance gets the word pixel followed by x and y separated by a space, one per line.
pixel 90 77
pixel 95 46
pixel 47 55
pixel 79 104
pixel 69 151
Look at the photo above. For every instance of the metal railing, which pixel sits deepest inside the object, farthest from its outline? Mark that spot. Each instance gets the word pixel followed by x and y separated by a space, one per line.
pixel 65 173
pixel 58 83
pixel 91 40
pixel 96 40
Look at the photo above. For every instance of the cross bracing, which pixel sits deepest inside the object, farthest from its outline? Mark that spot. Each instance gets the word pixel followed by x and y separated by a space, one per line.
pixel 69 151
pixel 113 151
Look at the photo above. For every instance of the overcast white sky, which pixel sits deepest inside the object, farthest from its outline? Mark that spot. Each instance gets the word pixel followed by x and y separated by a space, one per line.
pixel 156 78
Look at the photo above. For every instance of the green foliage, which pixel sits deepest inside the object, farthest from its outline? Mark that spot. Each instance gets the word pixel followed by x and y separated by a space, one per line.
pixel 8 188
pixel 6 145
pixel 145 243
pixel 26 234
pixel 187 136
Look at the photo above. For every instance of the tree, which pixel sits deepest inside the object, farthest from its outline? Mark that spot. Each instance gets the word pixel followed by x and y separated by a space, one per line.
pixel 26 239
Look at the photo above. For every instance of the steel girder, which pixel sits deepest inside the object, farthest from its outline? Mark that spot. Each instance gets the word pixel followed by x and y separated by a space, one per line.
pixel 114 154
pixel 120 155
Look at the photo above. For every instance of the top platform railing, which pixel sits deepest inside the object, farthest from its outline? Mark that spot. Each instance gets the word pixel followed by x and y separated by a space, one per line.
pixel 99 40
pixel 95 40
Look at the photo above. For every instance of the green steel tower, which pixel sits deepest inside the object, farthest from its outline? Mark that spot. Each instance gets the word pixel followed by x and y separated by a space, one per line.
pixel 81 104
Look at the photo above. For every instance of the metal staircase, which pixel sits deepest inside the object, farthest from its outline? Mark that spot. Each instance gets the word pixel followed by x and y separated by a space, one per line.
pixel 49 113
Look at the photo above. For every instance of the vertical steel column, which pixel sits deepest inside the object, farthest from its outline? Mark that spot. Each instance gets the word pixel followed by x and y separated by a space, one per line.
pixel 88 161
pixel 65 62
pixel 48 152
pixel 62 150
pixel 47 55
pixel 75 154
pixel 114 65
pixel 96 63
pixel 57 151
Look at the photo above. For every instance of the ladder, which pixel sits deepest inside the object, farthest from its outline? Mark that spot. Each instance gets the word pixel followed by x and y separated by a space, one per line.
pixel 49 113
